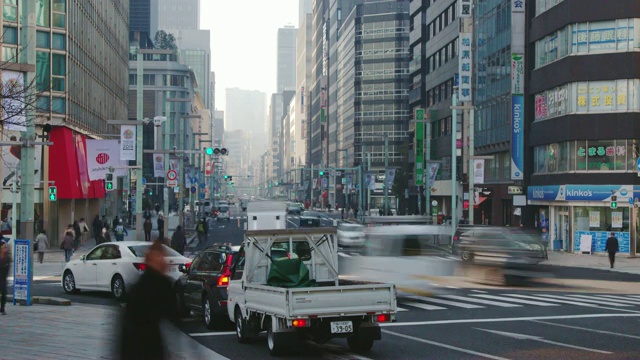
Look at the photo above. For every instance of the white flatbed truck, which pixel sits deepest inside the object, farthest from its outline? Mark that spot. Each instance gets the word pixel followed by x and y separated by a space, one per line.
pixel 329 308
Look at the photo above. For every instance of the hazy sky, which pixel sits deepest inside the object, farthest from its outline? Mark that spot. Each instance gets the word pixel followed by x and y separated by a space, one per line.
pixel 243 41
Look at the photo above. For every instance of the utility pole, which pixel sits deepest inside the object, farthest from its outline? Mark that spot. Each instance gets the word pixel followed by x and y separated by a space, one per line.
pixel 166 127
pixel 454 154
pixel 386 174
pixel 27 151
pixel 139 135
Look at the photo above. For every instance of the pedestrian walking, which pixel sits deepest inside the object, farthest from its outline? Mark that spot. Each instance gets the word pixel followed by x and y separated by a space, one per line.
pixel 612 248
pixel 97 226
pixel 178 240
pixel 42 243
pixel 147 229
pixel 5 264
pixel 77 234
pixel 120 231
pixel 115 223
pixel 203 230
pixel 161 226
pixel 342 213
pixel 84 231
pixel 106 233
pixel 101 237
pixel 151 300
pixel 67 243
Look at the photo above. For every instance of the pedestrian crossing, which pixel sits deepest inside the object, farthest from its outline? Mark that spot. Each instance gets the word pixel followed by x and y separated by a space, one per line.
pixel 475 300
pixel 244 217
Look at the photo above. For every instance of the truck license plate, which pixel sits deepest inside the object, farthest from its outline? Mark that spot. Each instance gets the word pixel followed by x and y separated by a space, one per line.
pixel 341 327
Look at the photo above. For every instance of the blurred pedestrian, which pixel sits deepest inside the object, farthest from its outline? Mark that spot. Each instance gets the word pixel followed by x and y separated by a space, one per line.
pixel 43 244
pixel 106 233
pixel 203 230
pixel 161 226
pixel 147 229
pixel 5 264
pixel 84 230
pixel 150 301
pixel 178 240
pixel 97 226
pixel 612 248
pixel 115 223
pixel 100 238
pixel 120 231
pixel 67 243
pixel 77 234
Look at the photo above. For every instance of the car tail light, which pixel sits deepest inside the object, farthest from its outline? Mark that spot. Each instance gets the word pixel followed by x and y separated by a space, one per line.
pixel 383 318
pixel 456 238
pixel 187 266
pixel 222 303
pixel 300 323
pixel 223 281
pixel 140 266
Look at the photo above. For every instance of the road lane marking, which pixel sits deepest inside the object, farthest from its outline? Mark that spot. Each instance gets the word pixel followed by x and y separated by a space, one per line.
pixel 422 306
pixel 401 309
pixel 446 302
pixel 601 298
pixel 490 320
pixel 541 297
pixel 480 301
pixel 343 254
pixel 450 347
pixel 517 301
pixel 595 302
pixel 479 291
pixel 587 329
pixel 619 298
pixel 222 333
pixel 543 340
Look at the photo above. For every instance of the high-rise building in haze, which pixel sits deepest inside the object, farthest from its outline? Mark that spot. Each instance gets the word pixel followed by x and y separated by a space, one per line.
pixel 304 7
pixel 140 23
pixel 246 110
pixel 175 14
pixel 286 71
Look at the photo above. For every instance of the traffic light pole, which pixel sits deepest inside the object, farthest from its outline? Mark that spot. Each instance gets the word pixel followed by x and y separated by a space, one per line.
pixel 139 117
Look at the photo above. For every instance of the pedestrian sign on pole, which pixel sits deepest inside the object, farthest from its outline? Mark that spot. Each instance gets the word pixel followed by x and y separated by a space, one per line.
pixel 194 180
pixel 638 166
pixel 203 185
pixel 201 196
pixel 144 181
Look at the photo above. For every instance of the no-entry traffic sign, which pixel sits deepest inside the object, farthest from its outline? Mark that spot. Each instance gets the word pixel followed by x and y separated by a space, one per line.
pixel 172 175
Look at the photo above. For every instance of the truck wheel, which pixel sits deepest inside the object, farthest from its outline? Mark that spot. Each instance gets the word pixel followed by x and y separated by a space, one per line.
pixel 275 346
pixel 359 343
pixel 241 327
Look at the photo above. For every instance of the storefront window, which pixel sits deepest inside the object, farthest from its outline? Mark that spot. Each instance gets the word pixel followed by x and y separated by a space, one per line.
pixel 598 223
pixel 592 155
pixel 580 155
pixel 600 155
pixel 633 150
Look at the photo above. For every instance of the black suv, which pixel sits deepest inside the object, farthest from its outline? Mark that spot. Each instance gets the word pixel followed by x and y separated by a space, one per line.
pixel 203 287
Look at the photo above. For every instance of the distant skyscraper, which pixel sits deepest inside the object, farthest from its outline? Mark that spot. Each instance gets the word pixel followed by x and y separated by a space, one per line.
pixel 304 7
pixel 175 14
pixel 140 23
pixel 286 71
pixel 245 110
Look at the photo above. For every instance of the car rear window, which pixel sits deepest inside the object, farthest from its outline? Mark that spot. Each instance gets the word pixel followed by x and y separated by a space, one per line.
pixel 223 209
pixel 141 250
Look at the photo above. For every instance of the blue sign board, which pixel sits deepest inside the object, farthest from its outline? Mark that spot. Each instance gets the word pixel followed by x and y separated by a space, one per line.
pixel 144 181
pixel 22 271
pixel 193 189
pixel 203 185
pixel 599 240
pixel 581 192
pixel 201 196
pixel 194 180
pixel 638 165
pixel 517 137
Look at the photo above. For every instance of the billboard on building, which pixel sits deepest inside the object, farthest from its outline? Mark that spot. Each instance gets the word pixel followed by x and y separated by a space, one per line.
pixel 465 67
pixel 517 88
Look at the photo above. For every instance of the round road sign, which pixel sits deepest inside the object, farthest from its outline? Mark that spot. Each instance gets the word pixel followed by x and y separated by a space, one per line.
pixel 172 175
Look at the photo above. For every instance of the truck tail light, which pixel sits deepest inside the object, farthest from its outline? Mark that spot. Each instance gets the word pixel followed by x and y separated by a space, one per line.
pixel 381 318
pixel 301 323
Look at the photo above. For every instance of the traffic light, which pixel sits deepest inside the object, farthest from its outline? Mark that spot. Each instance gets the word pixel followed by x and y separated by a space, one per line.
pixel 220 151
pixel 230 178
pixel 208 151
pixel 321 173
pixel 226 177
pixel 53 193
pixel 614 202
pixel 108 182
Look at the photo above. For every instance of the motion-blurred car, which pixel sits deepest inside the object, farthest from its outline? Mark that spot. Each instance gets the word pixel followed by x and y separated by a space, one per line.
pixel 350 234
pixel 493 245
pixel 115 266
pixel 309 221
pixel 294 209
pixel 223 213
pixel 203 287
pixel 323 219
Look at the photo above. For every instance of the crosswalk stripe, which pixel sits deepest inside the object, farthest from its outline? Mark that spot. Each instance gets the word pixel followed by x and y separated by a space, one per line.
pixel 610 298
pixel 588 301
pixel 542 297
pixel 620 298
pixel 480 301
pixel 446 302
pixel 422 306
pixel 343 254
pixel 401 309
pixel 517 301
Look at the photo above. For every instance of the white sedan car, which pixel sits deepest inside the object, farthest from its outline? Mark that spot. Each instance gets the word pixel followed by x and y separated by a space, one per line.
pixel 350 234
pixel 115 266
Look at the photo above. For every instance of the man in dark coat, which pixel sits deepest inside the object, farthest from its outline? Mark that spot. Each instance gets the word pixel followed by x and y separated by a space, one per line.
pixel 5 264
pixel 150 301
pixel 178 240
pixel 161 227
pixel 612 248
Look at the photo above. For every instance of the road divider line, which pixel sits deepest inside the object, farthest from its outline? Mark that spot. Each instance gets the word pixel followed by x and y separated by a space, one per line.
pixel 491 320
pixel 223 333
pixel 542 340
pixel 450 347
pixel 587 329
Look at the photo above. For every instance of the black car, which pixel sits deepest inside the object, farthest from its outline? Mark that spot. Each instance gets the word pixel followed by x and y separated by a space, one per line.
pixel 203 287
pixel 497 245
pixel 309 221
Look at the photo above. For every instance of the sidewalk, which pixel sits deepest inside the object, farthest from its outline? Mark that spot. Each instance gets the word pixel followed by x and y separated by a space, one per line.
pixel 78 332
pixel 623 264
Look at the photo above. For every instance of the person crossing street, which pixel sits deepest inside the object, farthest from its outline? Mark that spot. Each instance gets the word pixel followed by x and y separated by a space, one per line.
pixel 203 230
pixel 612 248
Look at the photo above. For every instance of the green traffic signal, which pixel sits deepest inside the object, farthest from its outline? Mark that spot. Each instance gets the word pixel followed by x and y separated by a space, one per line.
pixel 614 204
pixel 321 173
pixel 226 177
pixel 209 151
pixel 53 197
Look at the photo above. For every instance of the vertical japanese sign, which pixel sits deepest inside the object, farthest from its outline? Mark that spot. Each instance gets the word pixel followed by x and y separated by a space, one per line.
pixel 464 67
pixel 419 171
pixel 127 142
pixel 517 89
pixel 465 8
pixel 22 271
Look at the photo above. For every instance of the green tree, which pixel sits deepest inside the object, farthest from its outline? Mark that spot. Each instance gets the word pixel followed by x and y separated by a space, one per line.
pixel 165 40
pixel 401 181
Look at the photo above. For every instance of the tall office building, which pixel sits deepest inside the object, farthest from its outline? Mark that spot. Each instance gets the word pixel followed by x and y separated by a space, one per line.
pixel 303 80
pixel 175 14
pixel 140 23
pixel 246 110
pixel 286 61
pixel 582 115
pixel 304 7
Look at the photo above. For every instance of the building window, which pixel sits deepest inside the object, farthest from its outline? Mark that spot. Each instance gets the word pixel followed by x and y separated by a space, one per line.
pixel 581 155
pixel 59 13
pixel 10 10
pixel 43 104
pixel 59 41
pixel 58 70
pixel 42 13
pixel 10 35
pixel 58 105
pixel 9 53
pixel 544 5
pixel 43 71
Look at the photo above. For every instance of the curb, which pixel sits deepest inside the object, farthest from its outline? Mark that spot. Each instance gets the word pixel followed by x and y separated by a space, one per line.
pixel 43 300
